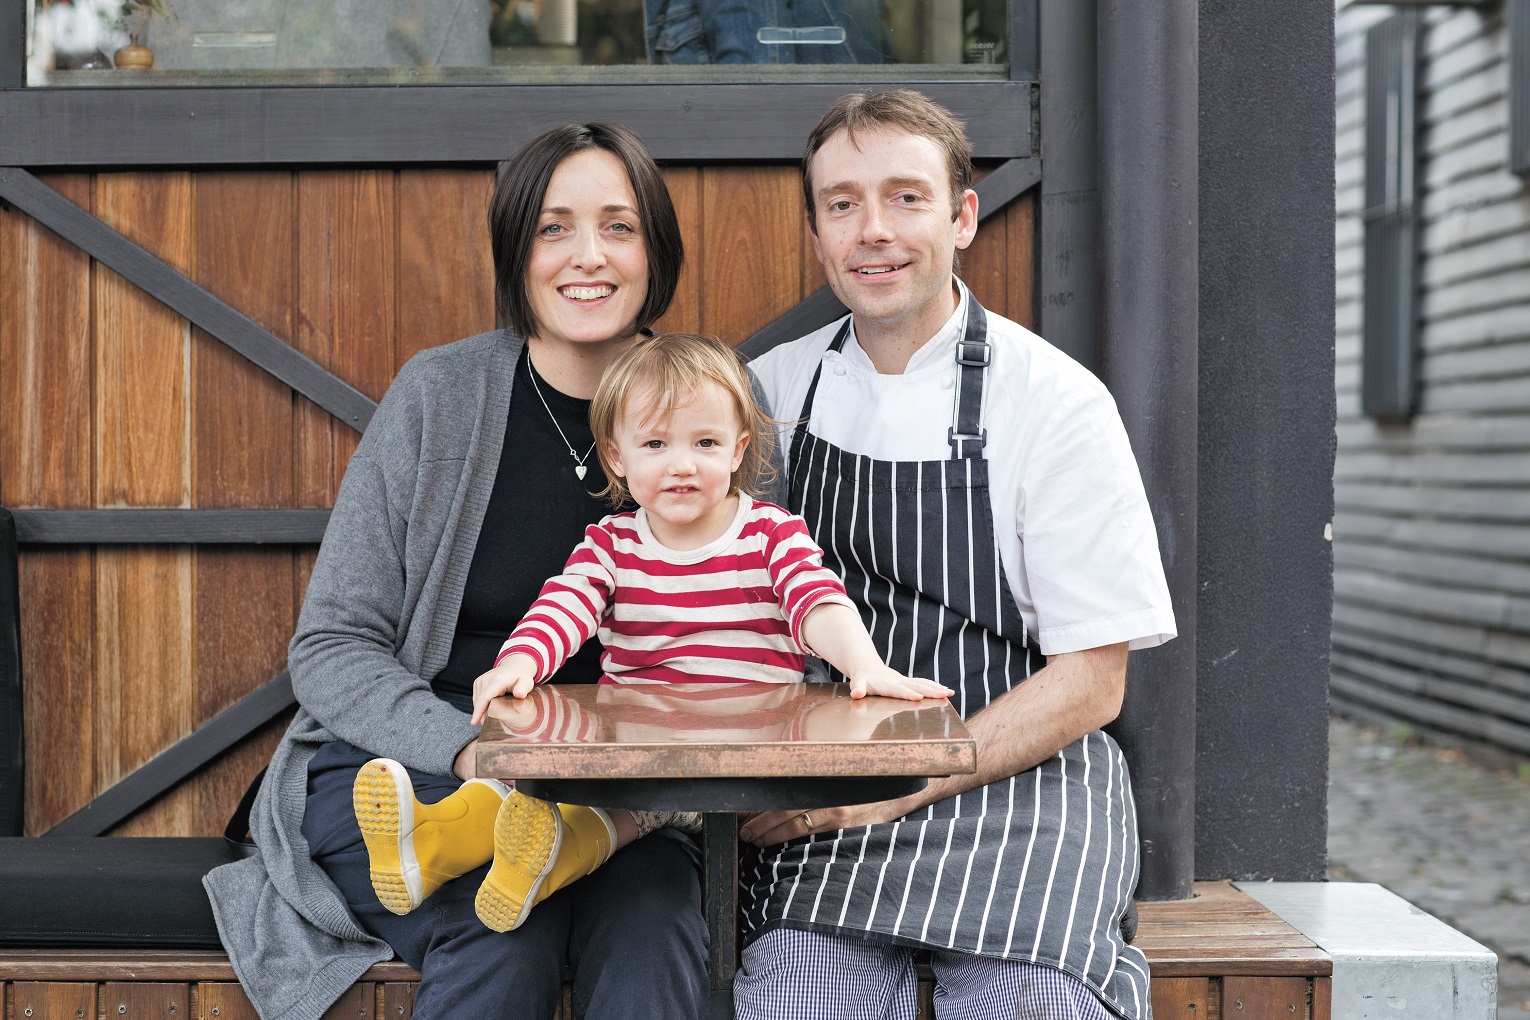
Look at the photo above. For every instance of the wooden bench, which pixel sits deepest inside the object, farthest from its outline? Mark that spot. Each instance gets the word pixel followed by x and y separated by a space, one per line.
pixel 1219 955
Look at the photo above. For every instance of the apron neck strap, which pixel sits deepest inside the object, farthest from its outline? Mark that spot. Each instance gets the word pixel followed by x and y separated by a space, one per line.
pixel 973 353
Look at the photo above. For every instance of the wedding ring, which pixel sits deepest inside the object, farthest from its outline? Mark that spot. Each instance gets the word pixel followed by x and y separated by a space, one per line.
pixel 807 820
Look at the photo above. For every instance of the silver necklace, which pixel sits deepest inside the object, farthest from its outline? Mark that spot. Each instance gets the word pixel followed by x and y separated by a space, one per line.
pixel 579 468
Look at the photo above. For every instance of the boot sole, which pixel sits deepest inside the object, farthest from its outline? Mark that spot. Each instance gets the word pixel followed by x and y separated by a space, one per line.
pixel 383 798
pixel 527 838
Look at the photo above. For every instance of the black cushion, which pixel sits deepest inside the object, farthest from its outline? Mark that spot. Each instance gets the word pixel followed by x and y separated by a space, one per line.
pixel 105 892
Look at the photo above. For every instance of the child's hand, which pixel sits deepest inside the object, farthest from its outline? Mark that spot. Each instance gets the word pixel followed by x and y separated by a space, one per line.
pixel 516 675
pixel 889 683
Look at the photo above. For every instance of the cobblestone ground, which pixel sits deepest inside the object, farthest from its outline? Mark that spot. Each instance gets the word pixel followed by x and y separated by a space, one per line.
pixel 1442 831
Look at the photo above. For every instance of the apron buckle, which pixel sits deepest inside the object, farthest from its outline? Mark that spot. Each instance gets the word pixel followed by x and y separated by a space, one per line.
pixel 956 439
pixel 973 353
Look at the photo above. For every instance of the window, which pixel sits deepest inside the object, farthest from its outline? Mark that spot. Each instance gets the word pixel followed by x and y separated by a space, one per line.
pixel 284 42
pixel 1388 383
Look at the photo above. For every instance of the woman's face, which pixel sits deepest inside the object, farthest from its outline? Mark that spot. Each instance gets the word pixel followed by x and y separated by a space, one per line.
pixel 588 274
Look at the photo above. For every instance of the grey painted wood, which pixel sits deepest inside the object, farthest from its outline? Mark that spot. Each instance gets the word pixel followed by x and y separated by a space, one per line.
pixel 1448 569
pixel 441 124
pixel 162 772
pixel 1467 680
pixel 191 527
pixel 1371 699
pixel 1443 636
pixel 1407 534
pixel 1432 521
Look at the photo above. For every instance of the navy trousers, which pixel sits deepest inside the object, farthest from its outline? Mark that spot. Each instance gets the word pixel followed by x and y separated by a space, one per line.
pixel 632 933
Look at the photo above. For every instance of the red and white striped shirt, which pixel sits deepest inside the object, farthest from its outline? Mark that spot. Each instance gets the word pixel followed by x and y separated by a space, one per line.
pixel 730 611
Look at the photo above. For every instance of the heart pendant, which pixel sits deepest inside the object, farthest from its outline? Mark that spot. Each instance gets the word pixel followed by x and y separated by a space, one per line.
pixel 579 470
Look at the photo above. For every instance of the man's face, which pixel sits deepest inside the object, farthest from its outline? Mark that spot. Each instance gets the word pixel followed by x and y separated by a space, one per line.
pixel 884 230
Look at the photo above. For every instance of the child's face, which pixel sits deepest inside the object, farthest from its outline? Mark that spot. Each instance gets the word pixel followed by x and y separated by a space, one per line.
pixel 678 466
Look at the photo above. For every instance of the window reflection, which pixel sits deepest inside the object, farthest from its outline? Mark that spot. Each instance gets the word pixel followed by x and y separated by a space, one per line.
pixel 343 40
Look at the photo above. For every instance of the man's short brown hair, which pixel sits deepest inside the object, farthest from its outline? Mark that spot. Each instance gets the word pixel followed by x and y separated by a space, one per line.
pixel 898 110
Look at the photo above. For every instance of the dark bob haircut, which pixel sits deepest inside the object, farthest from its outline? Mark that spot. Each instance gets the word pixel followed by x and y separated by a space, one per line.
pixel 515 209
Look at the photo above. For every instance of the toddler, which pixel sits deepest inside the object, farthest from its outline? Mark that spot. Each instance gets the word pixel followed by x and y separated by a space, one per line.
pixel 703 583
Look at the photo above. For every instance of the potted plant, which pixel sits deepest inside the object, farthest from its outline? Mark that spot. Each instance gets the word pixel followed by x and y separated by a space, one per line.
pixel 134 18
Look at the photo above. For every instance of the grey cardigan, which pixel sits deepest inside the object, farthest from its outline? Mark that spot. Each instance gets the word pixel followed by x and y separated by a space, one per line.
pixel 378 618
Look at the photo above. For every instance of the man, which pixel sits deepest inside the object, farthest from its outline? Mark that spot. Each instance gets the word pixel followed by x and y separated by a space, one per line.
pixel 976 490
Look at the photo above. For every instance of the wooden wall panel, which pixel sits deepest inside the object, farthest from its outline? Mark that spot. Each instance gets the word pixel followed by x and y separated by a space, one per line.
pixel 346 279
pixel 1020 229
pixel 358 1003
pixel 46 368
pixel 750 239
pixel 107 399
pixel 45 360
pixel 1181 998
pixel 241 426
pixel 144 657
pixel 223 1000
pixel 52 1000
pixel 1264 998
pixel 347 314
pixel 146 1000
pixel 446 273
pixel 684 315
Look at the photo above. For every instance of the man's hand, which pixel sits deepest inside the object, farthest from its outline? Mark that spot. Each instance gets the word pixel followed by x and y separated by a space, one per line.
pixel 765 828
pixel 1074 694
pixel 516 675
pixel 889 683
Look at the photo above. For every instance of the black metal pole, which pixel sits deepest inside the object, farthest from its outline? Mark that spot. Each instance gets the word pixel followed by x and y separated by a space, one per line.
pixel 1068 292
pixel 1148 107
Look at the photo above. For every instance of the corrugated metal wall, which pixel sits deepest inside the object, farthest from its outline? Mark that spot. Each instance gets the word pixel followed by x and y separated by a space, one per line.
pixel 1432 523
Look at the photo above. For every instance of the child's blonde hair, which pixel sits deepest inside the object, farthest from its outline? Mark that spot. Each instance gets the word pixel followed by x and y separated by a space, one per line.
pixel 667 369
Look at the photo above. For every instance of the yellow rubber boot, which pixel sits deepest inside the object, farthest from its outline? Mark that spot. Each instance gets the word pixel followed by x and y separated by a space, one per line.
pixel 414 847
pixel 539 848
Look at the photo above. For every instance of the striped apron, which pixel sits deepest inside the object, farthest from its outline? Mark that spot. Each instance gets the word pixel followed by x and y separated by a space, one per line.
pixel 1038 867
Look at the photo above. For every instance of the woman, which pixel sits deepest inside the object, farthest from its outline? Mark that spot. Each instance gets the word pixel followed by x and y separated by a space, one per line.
pixel 471 484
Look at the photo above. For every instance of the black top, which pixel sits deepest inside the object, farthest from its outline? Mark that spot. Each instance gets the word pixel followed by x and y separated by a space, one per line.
pixel 537 515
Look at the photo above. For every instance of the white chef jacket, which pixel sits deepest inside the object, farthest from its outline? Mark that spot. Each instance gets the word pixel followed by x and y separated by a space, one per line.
pixel 1075 534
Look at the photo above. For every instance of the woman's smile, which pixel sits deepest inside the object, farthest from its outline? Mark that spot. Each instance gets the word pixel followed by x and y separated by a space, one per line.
pixel 588 274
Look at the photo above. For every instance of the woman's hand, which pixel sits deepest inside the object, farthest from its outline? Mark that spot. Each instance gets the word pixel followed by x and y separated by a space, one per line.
pixel 515 675
pixel 889 683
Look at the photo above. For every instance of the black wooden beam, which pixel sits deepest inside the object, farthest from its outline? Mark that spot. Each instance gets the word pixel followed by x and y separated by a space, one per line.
pixel 1006 183
pixel 444 124
pixel 173 527
pixel 168 285
pixel 161 773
